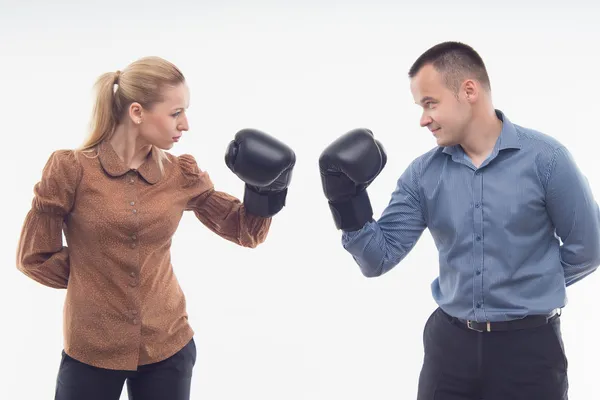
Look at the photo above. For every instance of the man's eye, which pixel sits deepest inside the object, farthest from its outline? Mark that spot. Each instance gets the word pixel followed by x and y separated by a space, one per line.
pixel 176 114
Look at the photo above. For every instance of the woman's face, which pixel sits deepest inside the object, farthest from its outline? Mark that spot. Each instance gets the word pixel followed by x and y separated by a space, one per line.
pixel 163 125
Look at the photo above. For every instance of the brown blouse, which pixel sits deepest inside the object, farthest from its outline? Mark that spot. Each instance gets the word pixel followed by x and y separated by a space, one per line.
pixel 123 306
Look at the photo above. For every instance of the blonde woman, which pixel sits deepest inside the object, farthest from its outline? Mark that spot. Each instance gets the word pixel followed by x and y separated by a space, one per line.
pixel 119 200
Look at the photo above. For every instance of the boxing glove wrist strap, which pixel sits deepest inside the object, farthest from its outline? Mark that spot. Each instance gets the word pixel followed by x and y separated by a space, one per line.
pixel 352 214
pixel 264 204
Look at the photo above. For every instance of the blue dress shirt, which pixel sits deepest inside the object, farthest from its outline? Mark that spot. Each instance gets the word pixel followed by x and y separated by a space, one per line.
pixel 496 227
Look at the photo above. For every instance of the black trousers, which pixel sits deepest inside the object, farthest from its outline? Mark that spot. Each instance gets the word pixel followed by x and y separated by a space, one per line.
pixel 169 379
pixel 462 364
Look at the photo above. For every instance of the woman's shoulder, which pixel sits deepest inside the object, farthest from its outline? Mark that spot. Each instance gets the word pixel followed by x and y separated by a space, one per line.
pixel 191 174
pixel 184 163
pixel 64 162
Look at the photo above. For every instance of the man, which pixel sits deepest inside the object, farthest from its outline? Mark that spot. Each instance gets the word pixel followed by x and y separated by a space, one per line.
pixel 496 198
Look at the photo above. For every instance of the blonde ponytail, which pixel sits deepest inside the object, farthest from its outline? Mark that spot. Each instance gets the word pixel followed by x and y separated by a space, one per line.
pixel 104 119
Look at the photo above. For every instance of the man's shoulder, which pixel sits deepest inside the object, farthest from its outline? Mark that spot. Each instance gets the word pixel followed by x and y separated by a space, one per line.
pixel 428 157
pixel 535 139
pixel 420 163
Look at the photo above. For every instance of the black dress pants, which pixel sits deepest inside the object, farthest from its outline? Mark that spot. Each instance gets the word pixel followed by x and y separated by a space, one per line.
pixel 169 379
pixel 463 364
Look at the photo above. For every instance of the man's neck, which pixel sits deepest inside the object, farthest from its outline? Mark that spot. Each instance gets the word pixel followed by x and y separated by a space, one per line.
pixel 481 137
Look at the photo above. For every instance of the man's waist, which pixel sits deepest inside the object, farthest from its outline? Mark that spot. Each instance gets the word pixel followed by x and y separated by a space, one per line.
pixel 509 324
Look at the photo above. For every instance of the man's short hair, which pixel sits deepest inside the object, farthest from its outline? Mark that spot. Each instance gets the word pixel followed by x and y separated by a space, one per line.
pixel 456 62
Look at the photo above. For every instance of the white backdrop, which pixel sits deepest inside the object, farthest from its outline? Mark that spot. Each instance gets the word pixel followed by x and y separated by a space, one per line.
pixel 294 318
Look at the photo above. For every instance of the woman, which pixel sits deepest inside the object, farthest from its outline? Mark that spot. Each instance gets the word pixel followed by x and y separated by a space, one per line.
pixel 119 200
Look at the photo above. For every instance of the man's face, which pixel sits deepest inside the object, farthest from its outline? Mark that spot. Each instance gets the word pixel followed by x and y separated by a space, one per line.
pixel 443 114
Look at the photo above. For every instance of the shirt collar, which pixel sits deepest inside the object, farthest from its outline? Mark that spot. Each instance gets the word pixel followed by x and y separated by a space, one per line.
pixel 112 164
pixel 508 139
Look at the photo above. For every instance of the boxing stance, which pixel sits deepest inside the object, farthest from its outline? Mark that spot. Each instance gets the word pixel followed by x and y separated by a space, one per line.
pixel 496 197
pixel 119 200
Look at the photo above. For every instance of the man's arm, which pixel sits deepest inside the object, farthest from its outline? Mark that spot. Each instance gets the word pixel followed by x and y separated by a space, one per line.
pixel 575 215
pixel 380 245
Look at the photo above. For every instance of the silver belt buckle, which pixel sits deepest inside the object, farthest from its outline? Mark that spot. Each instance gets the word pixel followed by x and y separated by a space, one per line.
pixel 470 326
pixel 554 313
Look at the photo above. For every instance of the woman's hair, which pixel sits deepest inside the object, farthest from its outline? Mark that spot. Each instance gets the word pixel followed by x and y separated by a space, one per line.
pixel 143 82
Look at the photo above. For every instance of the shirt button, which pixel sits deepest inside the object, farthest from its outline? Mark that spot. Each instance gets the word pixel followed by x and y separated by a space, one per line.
pixel 131 180
pixel 133 237
pixel 132 245
pixel 478 238
pixel 478 305
pixel 132 274
pixel 476 205
pixel 131 203
pixel 134 312
pixel 478 272
pixel 134 211
pixel 135 321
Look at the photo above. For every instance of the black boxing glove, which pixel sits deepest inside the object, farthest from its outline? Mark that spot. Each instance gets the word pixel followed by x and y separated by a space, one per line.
pixel 265 165
pixel 348 166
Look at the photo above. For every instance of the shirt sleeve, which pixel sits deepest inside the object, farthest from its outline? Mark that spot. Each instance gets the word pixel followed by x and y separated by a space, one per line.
pixel 41 254
pixel 381 244
pixel 575 215
pixel 221 212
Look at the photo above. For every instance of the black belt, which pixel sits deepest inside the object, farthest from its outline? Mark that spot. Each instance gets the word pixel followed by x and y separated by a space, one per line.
pixel 530 321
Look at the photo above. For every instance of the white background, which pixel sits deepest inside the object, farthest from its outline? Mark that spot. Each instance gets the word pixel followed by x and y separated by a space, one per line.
pixel 294 318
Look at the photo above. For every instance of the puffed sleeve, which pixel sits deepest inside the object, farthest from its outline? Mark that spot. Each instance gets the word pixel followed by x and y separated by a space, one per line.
pixel 40 251
pixel 220 212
